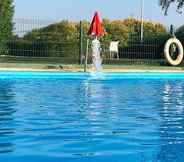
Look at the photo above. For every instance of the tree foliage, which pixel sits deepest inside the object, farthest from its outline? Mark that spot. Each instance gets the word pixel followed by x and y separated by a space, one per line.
pixel 124 30
pixel 63 31
pixel 166 3
pixel 6 24
pixel 54 39
pixel 180 33
pixel 115 30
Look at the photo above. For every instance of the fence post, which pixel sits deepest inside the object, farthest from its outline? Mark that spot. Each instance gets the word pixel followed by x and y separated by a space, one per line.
pixel 86 56
pixel 80 44
pixel 142 20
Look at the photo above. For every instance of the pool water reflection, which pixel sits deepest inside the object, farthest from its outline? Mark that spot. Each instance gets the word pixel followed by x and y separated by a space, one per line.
pixel 56 119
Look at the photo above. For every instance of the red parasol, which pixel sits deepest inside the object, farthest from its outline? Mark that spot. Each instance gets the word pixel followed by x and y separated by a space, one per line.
pixel 96 28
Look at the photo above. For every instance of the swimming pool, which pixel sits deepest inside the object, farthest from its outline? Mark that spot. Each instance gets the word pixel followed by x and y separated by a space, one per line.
pixel 111 117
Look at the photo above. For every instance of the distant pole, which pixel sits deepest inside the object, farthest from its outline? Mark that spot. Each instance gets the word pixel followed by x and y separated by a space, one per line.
pixel 86 56
pixel 81 44
pixel 142 20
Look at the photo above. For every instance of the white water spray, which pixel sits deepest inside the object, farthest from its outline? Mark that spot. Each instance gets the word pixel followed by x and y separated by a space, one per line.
pixel 96 58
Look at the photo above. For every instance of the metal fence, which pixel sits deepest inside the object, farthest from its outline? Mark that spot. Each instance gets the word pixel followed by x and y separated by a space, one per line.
pixel 137 52
pixel 42 39
pixel 46 39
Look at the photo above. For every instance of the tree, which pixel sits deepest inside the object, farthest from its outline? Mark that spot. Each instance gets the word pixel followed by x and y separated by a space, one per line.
pixel 6 23
pixel 58 39
pixel 166 3
pixel 180 33
pixel 129 29
pixel 63 31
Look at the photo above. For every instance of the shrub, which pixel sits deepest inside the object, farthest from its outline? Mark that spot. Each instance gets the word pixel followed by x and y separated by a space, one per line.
pixel 6 24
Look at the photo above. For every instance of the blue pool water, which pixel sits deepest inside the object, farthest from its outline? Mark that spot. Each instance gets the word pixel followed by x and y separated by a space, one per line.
pixel 112 117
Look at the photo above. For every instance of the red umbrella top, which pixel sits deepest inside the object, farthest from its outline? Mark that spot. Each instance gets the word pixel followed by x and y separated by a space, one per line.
pixel 96 28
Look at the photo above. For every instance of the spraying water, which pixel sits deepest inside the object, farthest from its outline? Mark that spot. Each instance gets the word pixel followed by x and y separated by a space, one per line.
pixel 96 58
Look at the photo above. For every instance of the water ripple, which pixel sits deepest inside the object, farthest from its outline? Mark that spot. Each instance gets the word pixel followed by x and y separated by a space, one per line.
pixel 91 120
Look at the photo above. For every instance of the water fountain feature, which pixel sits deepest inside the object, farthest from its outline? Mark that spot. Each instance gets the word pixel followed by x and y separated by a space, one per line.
pixel 96 58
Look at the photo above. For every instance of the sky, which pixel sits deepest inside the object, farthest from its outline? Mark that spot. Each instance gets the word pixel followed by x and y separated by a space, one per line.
pixel 84 9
